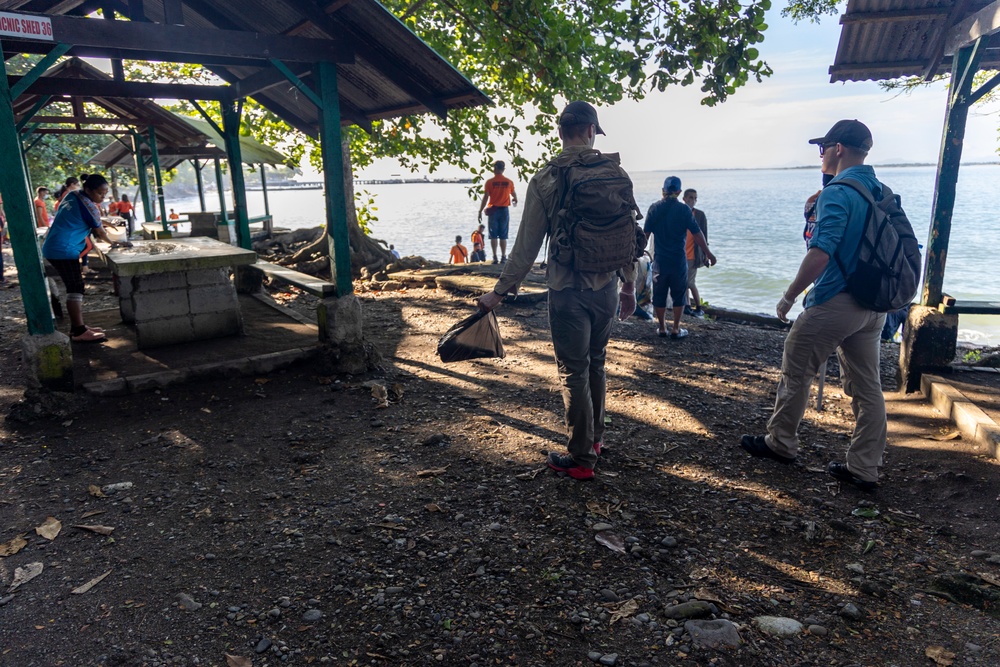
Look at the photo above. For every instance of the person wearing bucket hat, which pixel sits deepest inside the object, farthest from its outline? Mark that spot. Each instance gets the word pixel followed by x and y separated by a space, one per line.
pixel 669 221
pixel 581 304
pixel 832 320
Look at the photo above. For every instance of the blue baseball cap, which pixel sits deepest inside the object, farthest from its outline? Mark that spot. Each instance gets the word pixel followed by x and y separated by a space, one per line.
pixel 672 184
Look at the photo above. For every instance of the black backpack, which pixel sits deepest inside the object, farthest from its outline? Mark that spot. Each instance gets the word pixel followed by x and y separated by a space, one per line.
pixel 595 222
pixel 887 275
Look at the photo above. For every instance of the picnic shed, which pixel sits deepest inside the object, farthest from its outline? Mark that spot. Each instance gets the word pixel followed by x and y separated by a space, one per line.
pixel 317 65
pixel 889 39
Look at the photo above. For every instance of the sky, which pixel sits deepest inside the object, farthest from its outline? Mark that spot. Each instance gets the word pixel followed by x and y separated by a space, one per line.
pixel 768 124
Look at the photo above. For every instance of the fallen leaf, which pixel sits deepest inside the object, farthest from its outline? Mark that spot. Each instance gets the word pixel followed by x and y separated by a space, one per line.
pixel 87 515
pixel 68 423
pixel 12 547
pixel 600 509
pixel 380 394
pixel 943 437
pixel 626 609
pixel 396 392
pixel 23 575
pixel 50 528
pixel 989 578
pixel 261 381
pixel 940 655
pixel 433 472
pixel 100 530
pixel 80 590
pixel 431 507
pixel 865 512
pixel 95 491
pixel 237 661
pixel 611 541
pixel 530 475
pixel 706 596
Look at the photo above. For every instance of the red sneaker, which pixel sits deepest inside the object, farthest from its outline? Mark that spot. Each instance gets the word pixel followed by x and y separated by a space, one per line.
pixel 565 463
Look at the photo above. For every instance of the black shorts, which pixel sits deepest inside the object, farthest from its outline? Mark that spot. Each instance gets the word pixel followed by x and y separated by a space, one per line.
pixel 672 281
pixel 69 271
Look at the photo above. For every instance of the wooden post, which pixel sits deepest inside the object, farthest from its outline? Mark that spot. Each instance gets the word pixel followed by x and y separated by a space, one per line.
pixel 20 212
pixel 201 183
pixel 158 176
pixel 221 185
pixel 263 187
pixel 140 171
pixel 231 114
pixel 333 175
pixel 964 67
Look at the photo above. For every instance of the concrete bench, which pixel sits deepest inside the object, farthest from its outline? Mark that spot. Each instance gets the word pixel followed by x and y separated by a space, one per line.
pixel 152 231
pixel 303 281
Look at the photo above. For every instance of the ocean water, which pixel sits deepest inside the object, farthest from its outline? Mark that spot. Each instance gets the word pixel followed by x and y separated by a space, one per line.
pixel 755 227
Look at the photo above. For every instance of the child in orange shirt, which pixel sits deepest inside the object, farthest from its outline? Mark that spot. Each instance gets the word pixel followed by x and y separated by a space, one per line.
pixel 459 254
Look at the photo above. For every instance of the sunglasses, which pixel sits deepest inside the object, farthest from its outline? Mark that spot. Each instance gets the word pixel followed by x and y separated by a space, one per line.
pixel 823 147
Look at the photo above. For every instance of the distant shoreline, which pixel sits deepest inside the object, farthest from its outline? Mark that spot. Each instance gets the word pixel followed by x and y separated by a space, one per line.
pixel 813 166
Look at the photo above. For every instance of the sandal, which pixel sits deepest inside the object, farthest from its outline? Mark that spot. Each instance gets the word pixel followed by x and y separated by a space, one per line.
pixel 680 333
pixel 94 329
pixel 89 336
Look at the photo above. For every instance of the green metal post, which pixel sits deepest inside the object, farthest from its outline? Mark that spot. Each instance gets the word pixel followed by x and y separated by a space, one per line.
pixel 158 176
pixel 333 175
pixel 201 183
pixel 231 113
pixel 964 66
pixel 140 170
pixel 263 187
pixel 18 207
pixel 220 184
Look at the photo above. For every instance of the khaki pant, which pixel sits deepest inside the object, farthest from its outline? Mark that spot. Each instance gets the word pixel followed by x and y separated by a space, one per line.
pixel 839 324
pixel 581 325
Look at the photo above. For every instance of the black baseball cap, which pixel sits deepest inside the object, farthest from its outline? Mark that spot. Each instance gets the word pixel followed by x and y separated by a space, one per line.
pixel 850 133
pixel 580 113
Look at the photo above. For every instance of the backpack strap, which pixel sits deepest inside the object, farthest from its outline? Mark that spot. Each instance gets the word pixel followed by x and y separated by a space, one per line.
pixel 862 190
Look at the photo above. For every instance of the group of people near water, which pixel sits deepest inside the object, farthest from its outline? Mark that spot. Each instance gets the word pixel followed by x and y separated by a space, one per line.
pixel 583 303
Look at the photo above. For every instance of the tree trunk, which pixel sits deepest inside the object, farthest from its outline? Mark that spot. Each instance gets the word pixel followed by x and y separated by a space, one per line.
pixel 366 252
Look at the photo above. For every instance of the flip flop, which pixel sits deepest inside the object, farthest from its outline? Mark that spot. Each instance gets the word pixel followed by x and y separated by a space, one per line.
pixel 682 333
pixel 89 336
pixel 94 329
pixel 661 334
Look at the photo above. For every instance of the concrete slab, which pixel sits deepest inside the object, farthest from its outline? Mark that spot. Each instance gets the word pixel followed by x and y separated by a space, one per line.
pixel 148 257
pixel 273 337
pixel 974 424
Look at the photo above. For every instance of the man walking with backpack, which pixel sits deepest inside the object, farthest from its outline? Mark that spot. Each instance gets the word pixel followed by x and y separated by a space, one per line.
pixel 833 318
pixel 584 264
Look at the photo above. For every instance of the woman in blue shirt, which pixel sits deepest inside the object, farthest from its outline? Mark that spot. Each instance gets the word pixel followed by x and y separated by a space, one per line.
pixel 76 217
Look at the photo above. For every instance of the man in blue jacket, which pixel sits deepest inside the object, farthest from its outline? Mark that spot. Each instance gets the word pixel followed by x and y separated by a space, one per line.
pixel 832 319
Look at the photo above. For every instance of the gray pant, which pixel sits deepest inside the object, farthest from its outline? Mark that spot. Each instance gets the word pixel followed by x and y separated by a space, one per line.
pixel 581 325
pixel 839 324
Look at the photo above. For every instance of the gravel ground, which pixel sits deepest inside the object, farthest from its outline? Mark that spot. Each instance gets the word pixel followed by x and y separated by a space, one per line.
pixel 302 519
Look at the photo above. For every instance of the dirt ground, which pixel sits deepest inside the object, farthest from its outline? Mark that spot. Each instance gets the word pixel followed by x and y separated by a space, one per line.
pixel 297 519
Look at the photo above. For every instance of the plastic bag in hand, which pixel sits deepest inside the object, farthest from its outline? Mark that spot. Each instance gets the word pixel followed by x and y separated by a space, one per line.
pixel 475 337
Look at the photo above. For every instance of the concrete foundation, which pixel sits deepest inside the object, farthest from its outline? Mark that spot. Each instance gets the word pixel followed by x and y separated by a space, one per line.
pixel 929 343
pixel 340 321
pixel 169 308
pixel 49 359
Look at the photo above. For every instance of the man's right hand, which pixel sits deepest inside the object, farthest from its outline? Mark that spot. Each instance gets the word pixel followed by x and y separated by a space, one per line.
pixel 489 301
pixel 710 259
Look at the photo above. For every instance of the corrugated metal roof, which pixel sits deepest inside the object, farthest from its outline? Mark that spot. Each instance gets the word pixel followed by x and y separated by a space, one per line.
pixel 174 134
pixel 394 72
pixel 888 39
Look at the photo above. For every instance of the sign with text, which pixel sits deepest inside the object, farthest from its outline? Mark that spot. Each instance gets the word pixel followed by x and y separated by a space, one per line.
pixel 25 26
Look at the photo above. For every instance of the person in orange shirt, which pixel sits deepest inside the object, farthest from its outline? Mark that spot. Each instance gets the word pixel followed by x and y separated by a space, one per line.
pixel 695 257
pixel 41 210
pixel 126 210
pixel 459 254
pixel 500 195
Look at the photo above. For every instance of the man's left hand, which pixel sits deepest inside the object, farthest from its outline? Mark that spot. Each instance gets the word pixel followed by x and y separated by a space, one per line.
pixel 710 259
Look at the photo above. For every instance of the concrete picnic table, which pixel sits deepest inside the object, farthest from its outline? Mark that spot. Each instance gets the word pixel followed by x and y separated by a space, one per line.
pixel 178 290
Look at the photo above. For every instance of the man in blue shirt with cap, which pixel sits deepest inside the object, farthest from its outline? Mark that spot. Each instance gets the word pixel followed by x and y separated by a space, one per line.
pixel 832 319
pixel 669 222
